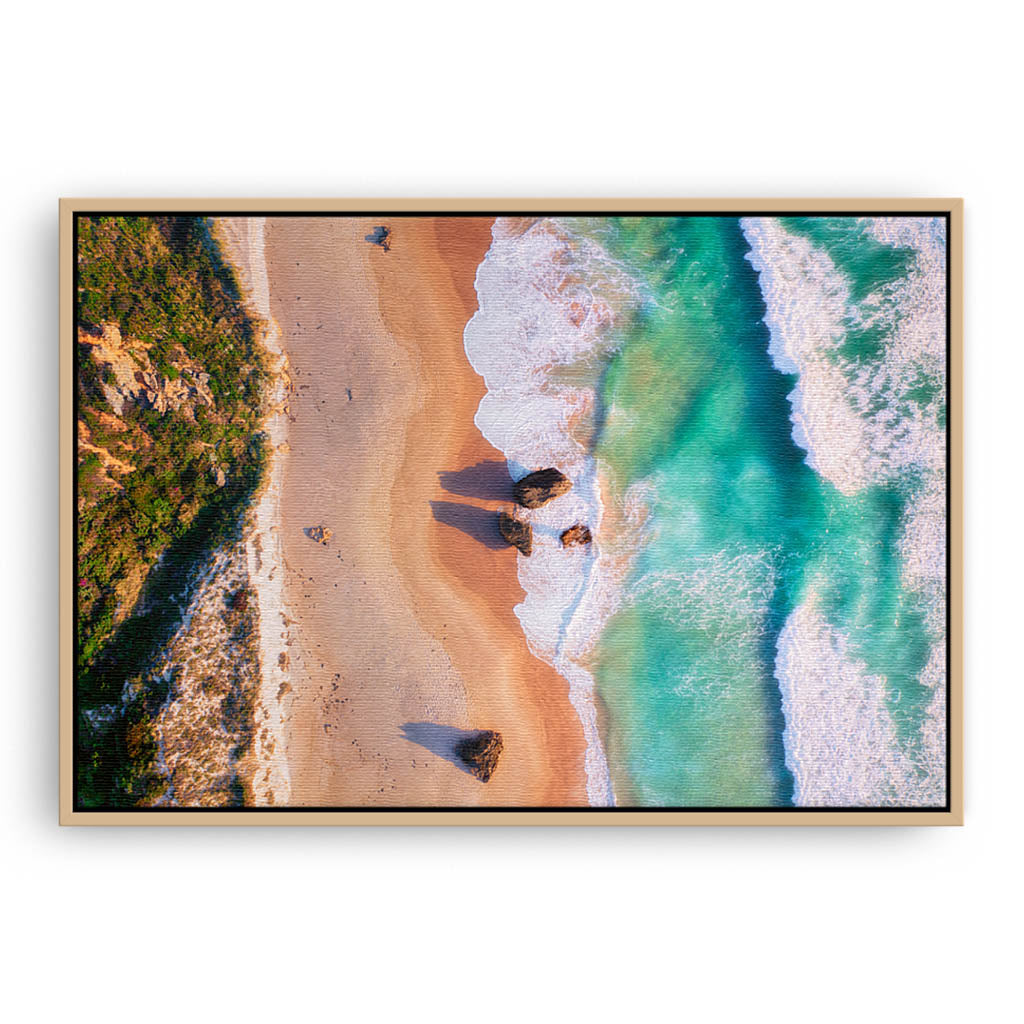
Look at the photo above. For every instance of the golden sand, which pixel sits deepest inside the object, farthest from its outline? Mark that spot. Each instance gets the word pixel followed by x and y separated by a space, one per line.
pixel 402 629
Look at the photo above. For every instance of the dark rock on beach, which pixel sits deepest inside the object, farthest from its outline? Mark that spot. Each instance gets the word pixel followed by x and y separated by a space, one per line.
pixel 516 532
pixel 578 534
pixel 380 236
pixel 321 534
pixel 541 487
pixel 480 753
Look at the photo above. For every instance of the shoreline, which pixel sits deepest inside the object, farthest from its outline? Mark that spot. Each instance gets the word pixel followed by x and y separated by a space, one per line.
pixel 401 634
pixel 467 482
pixel 535 319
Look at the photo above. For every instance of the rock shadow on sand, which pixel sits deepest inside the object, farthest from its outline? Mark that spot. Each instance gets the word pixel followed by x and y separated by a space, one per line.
pixel 488 480
pixel 479 523
pixel 439 739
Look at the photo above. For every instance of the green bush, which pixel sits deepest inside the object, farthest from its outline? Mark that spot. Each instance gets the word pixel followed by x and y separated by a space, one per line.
pixel 162 281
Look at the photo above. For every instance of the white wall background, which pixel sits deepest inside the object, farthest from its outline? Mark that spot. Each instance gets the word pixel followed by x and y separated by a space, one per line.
pixel 199 99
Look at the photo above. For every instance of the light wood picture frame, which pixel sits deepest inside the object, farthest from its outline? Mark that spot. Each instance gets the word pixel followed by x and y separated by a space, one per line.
pixel 422 296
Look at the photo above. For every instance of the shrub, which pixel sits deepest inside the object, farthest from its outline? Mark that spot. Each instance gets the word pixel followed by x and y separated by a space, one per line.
pixel 162 280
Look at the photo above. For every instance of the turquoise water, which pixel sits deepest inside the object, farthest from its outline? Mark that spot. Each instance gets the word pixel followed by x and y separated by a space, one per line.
pixel 743 536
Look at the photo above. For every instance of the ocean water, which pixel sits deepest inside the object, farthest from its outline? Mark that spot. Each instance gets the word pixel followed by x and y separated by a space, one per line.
pixel 752 412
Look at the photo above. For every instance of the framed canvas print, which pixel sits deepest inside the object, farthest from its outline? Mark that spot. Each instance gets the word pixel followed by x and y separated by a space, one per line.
pixel 511 511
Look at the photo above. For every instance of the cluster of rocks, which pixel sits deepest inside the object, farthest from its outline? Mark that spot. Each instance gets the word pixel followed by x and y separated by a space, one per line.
pixel 533 491
pixel 321 534
pixel 480 753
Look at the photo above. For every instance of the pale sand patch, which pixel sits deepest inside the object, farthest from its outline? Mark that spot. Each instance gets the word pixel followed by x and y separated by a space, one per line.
pixel 242 240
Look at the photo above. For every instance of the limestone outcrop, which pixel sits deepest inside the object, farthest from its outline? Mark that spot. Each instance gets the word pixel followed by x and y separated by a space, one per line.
pixel 131 376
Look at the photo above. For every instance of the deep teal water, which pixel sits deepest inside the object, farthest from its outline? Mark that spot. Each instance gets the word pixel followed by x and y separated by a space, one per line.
pixel 740 527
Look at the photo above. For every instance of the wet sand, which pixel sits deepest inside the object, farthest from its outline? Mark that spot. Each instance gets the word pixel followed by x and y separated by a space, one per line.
pixel 401 629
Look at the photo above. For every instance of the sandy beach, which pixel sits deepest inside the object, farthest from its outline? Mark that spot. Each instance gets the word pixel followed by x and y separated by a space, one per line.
pixel 400 633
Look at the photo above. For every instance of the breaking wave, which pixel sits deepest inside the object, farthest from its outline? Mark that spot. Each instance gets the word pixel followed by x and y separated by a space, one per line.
pixel 867 417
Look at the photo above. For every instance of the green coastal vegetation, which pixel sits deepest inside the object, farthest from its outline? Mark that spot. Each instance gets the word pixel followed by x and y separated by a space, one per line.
pixel 161 483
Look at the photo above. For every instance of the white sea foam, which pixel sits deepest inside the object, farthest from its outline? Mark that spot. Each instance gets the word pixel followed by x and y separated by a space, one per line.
pixel 910 435
pixel 856 421
pixel 808 304
pixel 916 349
pixel 546 301
pixel 842 745
pixel 860 424
pixel 839 738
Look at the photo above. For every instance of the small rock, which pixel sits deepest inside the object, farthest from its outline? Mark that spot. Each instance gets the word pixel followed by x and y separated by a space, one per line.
pixel 320 534
pixel 516 532
pixel 480 753
pixel 541 487
pixel 578 534
pixel 379 236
